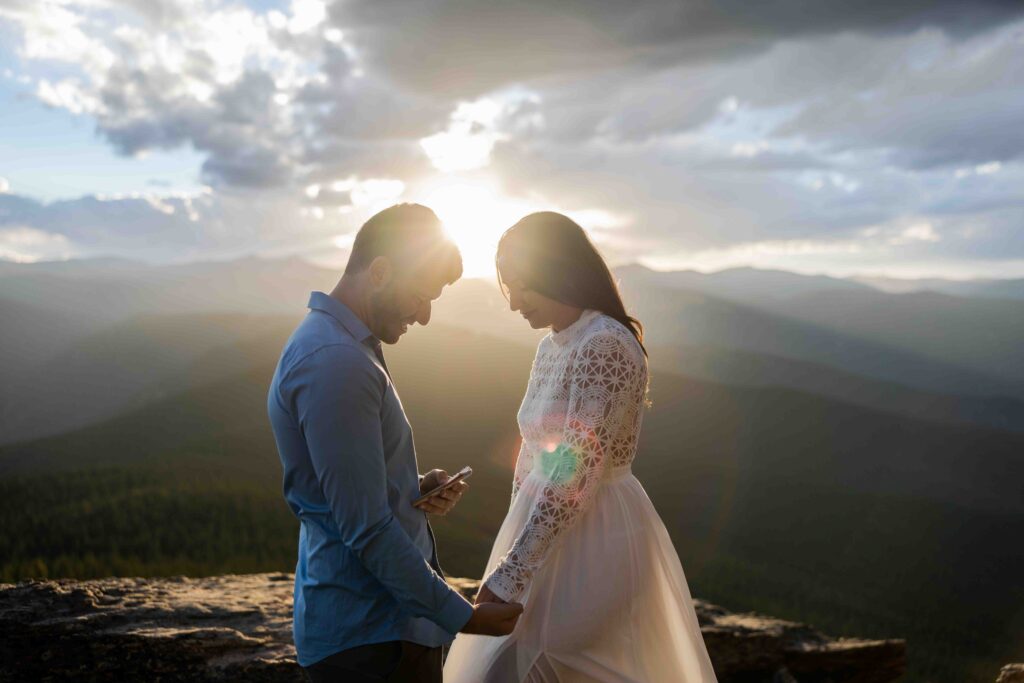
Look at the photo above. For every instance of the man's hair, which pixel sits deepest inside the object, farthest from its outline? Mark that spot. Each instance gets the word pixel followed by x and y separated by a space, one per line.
pixel 412 237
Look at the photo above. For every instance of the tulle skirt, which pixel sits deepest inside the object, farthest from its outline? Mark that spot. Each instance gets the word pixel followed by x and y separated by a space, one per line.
pixel 610 604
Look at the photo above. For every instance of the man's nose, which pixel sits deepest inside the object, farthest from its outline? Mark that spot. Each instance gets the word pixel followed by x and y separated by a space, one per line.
pixel 513 302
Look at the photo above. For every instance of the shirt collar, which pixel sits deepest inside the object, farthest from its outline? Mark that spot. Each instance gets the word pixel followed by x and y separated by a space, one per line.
pixel 344 315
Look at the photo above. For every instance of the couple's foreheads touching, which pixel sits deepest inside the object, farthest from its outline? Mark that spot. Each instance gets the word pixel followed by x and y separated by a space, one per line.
pixel 547 267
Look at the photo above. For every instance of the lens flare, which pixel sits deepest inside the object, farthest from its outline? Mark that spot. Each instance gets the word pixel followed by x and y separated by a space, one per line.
pixel 560 461
pixel 559 464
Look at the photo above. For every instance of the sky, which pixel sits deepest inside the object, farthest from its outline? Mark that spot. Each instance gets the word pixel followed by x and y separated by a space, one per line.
pixel 868 138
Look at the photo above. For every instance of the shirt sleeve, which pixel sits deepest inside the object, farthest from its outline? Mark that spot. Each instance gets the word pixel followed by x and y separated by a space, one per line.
pixel 606 385
pixel 337 396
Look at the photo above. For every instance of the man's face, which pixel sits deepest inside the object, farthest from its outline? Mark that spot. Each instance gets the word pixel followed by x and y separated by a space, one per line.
pixel 405 300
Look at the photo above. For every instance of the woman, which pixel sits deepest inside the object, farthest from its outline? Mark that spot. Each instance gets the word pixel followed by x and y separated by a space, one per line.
pixel 581 547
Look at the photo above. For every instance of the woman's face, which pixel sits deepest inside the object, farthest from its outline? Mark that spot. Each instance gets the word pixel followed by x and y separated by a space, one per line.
pixel 537 309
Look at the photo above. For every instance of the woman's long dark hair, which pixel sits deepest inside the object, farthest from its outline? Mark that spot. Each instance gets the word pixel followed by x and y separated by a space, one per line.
pixel 558 260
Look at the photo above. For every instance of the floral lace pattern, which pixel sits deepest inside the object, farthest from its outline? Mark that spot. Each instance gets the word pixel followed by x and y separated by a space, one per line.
pixel 580 417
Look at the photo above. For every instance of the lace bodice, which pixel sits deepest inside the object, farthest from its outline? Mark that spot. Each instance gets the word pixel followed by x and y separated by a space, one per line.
pixel 579 420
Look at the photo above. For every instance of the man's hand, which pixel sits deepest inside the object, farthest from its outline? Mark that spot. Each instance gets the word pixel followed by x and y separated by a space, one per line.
pixel 492 619
pixel 485 594
pixel 442 503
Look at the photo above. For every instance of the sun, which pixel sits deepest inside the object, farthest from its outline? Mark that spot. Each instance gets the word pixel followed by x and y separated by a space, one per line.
pixel 475 215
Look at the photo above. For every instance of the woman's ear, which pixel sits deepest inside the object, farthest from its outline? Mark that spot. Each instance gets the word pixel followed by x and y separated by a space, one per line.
pixel 381 272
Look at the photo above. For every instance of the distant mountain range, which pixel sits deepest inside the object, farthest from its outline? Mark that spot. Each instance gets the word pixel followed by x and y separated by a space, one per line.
pixel 994 289
pixel 856 520
pixel 85 339
pixel 924 339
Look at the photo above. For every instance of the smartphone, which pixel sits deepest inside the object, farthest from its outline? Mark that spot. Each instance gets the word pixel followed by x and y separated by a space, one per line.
pixel 464 473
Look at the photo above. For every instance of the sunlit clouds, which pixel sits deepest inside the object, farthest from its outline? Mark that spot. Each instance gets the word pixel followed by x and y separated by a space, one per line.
pixel 811 142
pixel 352 193
pixel 474 128
pixel 467 143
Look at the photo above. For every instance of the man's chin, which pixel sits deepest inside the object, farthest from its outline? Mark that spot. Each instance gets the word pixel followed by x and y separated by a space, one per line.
pixel 393 336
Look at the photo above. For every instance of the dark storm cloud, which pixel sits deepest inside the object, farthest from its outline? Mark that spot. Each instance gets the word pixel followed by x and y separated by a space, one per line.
pixel 248 166
pixel 237 127
pixel 465 47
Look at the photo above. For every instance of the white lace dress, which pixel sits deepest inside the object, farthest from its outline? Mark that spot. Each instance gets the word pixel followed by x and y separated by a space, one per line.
pixel 582 546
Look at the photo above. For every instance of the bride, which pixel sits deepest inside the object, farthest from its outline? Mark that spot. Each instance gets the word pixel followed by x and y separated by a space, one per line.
pixel 582 547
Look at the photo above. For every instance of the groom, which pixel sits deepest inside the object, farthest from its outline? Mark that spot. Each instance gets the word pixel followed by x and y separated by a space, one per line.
pixel 371 603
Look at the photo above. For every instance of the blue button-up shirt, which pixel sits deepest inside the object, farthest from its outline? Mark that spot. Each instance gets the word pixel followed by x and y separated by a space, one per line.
pixel 364 570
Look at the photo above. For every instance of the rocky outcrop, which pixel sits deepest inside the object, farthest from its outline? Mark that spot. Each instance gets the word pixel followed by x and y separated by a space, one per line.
pixel 753 647
pixel 238 628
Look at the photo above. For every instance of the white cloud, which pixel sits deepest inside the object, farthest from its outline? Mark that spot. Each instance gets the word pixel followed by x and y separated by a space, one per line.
pixel 58 31
pixel 470 137
pixel 28 245
pixel 5 186
pixel 918 232
pixel 475 127
pixel 748 149
pixel 989 168
pixel 68 94
pixel 354 193
pixel 306 15
pixel 980 169
pixel 765 253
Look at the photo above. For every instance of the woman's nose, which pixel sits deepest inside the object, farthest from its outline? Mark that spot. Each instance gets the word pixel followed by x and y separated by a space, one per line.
pixel 423 314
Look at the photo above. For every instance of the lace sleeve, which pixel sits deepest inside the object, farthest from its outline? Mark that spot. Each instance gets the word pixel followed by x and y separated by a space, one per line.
pixel 522 469
pixel 602 388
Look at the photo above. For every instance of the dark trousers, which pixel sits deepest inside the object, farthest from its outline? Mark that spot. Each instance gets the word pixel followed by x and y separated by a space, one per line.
pixel 396 661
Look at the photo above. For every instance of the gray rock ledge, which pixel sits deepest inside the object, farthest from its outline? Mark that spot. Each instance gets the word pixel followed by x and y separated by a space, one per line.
pixel 238 628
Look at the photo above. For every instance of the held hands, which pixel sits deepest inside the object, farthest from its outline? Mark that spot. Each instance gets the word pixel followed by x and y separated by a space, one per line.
pixel 485 595
pixel 492 616
pixel 493 619
pixel 441 503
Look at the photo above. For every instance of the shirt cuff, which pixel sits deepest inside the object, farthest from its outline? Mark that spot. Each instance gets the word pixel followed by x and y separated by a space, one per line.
pixel 455 613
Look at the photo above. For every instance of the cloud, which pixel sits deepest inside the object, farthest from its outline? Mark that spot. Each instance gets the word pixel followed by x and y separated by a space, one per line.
pixel 168 227
pixel 465 48
pixel 703 127
pixel 981 169
pixel 346 194
pixel 935 101
pixel 257 92
pixel 27 245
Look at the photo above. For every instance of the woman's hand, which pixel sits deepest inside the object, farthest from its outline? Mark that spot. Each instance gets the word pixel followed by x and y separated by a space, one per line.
pixel 486 595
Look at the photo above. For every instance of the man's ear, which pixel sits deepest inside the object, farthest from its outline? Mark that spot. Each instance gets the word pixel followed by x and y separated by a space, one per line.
pixel 381 272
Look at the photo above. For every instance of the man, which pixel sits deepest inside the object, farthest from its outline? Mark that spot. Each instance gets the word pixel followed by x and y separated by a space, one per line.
pixel 371 603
